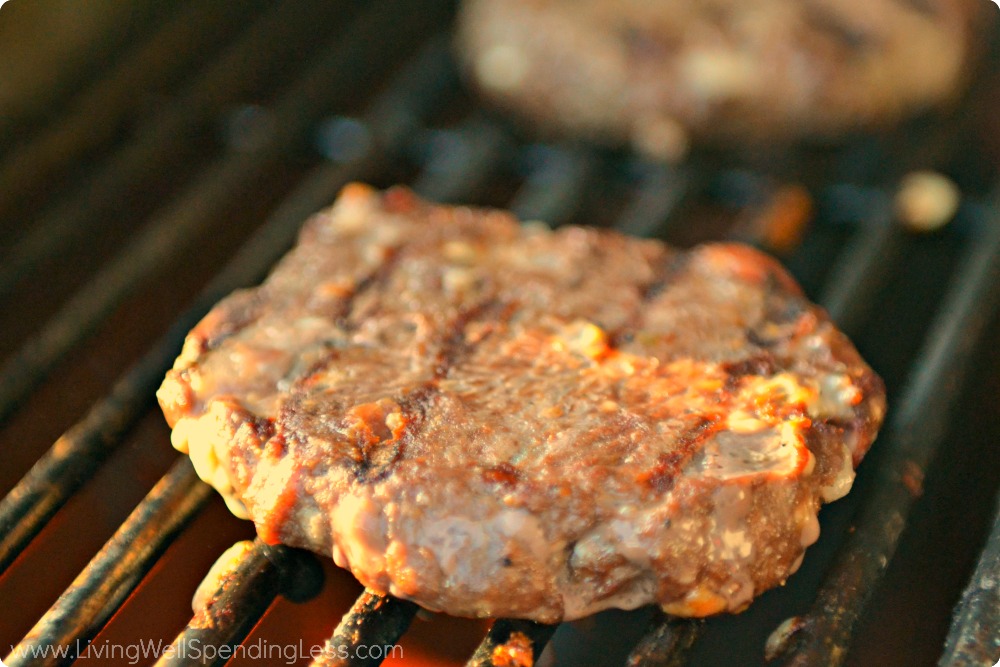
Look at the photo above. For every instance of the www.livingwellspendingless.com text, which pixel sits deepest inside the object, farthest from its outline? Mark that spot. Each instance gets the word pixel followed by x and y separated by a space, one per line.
pixel 151 650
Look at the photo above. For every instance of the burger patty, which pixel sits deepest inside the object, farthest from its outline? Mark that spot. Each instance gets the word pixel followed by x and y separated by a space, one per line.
pixel 657 74
pixel 495 419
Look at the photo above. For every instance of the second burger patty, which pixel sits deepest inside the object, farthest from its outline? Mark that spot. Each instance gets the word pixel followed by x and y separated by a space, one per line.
pixel 493 419
pixel 659 74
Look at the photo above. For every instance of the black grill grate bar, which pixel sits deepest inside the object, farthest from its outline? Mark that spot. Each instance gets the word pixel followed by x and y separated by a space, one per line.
pixel 101 588
pixel 269 44
pixel 327 82
pixel 80 451
pixel 974 639
pixel 239 594
pixel 862 267
pixel 665 643
pixel 915 430
pixel 556 181
pixel 462 160
pixel 661 192
pixel 374 620
pixel 512 642
pixel 94 118
pixel 57 91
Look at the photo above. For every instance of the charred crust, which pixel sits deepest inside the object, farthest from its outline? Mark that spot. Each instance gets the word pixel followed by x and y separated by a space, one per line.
pixel 762 363
pixel 455 347
pixel 374 462
pixel 345 316
pixel 315 372
pixel 662 477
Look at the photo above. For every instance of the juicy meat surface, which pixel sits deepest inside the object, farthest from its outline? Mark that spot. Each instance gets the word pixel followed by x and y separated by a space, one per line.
pixel 496 419
pixel 659 75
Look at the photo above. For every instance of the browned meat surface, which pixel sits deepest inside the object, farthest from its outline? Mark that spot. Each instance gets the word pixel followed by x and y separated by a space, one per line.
pixel 659 74
pixel 496 419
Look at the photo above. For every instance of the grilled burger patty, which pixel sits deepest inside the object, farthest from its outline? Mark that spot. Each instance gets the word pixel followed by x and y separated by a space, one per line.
pixel 496 419
pixel 656 73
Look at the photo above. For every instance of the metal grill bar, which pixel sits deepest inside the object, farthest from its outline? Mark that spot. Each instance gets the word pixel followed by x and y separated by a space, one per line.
pixel 115 571
pixel 512 642
pixel 917 425
pixel 97 115
pixel 861 268
pixel 555 184
pixel 660 193
pixel 374 620
pixel 974 639
pixel 467 158
pixel 327 82
pixel 241 595
pixel 269 45
pixel 665 643
pixel 80 451
pixel 52 92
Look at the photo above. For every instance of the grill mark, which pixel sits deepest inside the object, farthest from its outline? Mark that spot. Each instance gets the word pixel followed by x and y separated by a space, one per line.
pixel 376 463
pixel 662 477
pixel 417 403
pixel 344 317
pixel 248 313
pixel 665 275
pixel 455 347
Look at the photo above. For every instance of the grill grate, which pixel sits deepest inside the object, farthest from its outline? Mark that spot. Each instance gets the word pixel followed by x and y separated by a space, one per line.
pixel 472 159
pixel 974 639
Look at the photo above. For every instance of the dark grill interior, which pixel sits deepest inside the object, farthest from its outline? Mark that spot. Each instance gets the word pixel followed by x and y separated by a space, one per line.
pixel 177 163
